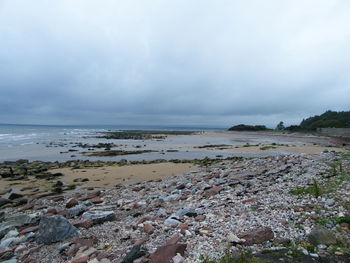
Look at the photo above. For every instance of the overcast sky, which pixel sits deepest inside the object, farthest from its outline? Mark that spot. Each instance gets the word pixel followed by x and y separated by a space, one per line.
pixel 182 62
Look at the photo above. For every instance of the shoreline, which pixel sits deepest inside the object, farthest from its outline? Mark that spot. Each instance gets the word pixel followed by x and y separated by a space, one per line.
pixel 203 208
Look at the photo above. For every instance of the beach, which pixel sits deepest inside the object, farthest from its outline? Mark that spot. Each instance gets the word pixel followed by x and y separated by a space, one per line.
pixel 171 197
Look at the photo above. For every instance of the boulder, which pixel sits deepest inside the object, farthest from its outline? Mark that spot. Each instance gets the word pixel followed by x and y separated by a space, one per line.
pixel 212 191
pixel 257 236
pixel 71 203
pixel 14 196
pixel 321 235
pixel 99 217
pixel 171 222
pixel 55 228
pixel 78 209
pixel 185 211
pixel 148 228
pixel 96 200
pixel 135 253
pixel 164 254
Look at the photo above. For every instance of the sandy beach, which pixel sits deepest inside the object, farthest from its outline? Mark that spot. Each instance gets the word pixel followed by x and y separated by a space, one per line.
pixel 109 176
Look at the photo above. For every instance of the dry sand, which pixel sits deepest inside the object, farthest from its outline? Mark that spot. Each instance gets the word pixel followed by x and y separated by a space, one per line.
pixel 109 176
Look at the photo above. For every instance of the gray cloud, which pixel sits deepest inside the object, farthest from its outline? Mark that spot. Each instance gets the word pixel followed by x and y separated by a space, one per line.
pixel 172 62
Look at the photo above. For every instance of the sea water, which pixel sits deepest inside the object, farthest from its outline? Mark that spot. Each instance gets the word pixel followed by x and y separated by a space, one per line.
pixel 52 143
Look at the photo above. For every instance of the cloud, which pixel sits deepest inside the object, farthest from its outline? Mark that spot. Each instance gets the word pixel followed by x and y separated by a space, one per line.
pixel 172 62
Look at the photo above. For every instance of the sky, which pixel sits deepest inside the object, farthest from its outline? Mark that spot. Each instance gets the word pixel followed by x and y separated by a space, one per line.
pixel 165 62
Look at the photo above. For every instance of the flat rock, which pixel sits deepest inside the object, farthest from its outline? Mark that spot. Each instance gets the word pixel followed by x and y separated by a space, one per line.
pixel 29 229
pixel 4 201
pixel 164 254
pixel 5 253
pixel 213 191
pixel 257 236
pixel 99 217
pixel 55 228
pixel 186 212
pixel 171 222
pixel 96 200
pixel 71 203
pixel 85 223
pixel 78 209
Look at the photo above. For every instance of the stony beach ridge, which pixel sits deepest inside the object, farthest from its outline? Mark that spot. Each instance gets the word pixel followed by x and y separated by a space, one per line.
pixel 293 208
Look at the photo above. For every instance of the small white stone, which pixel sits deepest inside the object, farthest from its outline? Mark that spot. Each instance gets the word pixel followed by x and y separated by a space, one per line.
pixel 234 239
pixel 178 258
pixel 304 251
pixel 188 233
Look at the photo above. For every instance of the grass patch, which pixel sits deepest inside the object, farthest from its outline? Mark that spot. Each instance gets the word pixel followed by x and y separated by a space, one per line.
pixel 71 186
pixel 222 146
pixel 344 219
pixel 243 258
pixel 267 147
pixel 314 189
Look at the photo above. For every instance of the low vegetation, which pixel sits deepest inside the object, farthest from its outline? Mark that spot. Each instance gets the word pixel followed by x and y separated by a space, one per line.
pixel 314 190
pixel 335 176
pixel 243 258
pixel 220 146
pixel 243 127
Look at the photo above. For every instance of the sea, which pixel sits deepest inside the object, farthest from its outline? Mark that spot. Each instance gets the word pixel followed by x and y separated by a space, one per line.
pixel 52 143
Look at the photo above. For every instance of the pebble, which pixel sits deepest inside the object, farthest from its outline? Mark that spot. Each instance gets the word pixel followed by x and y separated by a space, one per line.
pixel 204 210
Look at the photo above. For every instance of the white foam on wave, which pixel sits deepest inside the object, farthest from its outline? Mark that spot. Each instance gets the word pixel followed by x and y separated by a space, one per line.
pixel 26 143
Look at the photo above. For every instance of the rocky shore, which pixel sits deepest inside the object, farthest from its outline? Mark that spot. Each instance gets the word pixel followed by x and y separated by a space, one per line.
pixel 293 208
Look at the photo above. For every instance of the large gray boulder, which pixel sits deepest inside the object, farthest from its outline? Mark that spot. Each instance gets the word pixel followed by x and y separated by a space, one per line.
pixel 321 235
pixel 54 229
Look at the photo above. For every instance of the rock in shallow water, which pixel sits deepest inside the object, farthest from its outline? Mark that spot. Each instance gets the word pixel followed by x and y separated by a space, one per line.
pixel 55 228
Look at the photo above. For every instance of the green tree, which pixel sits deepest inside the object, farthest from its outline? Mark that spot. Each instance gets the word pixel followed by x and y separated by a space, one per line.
pixel 280 126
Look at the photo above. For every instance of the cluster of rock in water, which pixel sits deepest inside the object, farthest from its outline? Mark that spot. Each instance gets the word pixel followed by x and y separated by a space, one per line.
pixel 226 208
